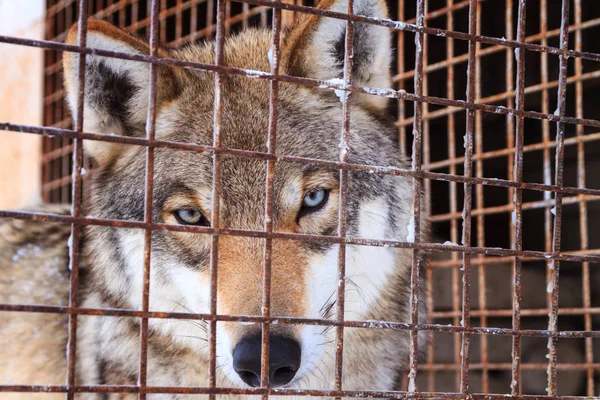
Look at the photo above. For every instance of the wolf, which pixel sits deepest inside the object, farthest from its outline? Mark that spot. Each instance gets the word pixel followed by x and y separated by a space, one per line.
pixel 34 255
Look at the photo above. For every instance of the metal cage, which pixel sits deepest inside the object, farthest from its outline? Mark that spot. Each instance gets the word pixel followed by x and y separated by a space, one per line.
pixel 495 100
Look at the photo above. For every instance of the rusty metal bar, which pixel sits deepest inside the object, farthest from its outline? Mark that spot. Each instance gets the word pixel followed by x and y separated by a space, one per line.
pixel 468 193
pixel 508 367
pixel 74 240
pixel 583 214
pixel 479 204
pixel 369 324
pixel 401 84
pixel 492 251
pixel 545 140
pixel 268 225
pixel 546 204
pixel 559 169
pixel 542 37
pixel 537 312
pixel 343 200
pixel 273 392
pixel 300 160
pixel 546 145
pixel 148 196
pixel 416 211
pixel 452 192
pixel 390 93
pixel 399 25
pixel 216 195
pixel 517 216
pixel 427 160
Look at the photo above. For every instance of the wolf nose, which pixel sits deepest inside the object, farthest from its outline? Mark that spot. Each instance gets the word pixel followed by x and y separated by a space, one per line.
pixel 284 360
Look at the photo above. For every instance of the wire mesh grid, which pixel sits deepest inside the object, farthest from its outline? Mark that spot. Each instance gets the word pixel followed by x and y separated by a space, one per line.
pixel 498 185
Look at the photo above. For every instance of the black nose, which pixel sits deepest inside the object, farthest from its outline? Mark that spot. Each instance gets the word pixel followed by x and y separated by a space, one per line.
pixel 284 360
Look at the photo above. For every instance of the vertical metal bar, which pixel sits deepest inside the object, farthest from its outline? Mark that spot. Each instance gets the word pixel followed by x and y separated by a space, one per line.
pixel 178 20
pixel 76 205
pixel 134 11
pixel 547 165
pixel 468 165
pixel 194 22
pixel 216 196
pixel 148 196
pixel 227 17
pixel 245 9
pixel 510 102
pixel 560 153
pixel 271 147
pixel 343 201
pixel 64 142
pixel 425 123
pixel 517 217
pixel 479 204
pixel 452 170
pixel 425 108
pixel 416 215
pixel 209 14
pixel 122 16
pixel 401 82
pixel 163 21
pixel 583 232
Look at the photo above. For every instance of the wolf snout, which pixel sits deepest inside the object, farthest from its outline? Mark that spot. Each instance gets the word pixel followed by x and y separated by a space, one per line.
pixel 284 360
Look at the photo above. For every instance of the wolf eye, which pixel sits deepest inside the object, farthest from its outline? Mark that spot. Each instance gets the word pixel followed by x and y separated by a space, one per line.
pixel 190 216
pixel 313 201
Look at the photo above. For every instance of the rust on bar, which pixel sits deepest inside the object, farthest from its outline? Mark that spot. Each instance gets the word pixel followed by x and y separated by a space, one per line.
pixel 216 196
pixel 517 216
pixel 558 178
pixel 148 197
pixel 76 205
pixel 416 211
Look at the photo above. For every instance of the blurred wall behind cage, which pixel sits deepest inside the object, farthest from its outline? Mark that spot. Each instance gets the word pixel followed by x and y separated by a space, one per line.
pixel 445 76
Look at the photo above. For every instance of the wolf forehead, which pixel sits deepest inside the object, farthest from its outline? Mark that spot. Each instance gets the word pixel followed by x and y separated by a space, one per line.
pixel 309 122
pixel 117 93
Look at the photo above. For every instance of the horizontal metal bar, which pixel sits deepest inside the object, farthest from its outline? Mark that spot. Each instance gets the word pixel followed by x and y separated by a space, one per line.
pixel 389 93
pixel 525 312
pixel 490 251
pixel 408 27
pixel 48 131
pixel 275 320
pixel 273 392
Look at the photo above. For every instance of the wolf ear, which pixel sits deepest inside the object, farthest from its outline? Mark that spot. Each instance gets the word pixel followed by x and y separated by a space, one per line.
pixel 116 90
pixel 315 48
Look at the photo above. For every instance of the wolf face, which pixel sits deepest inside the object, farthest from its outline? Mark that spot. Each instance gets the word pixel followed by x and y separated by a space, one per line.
pixel 306 199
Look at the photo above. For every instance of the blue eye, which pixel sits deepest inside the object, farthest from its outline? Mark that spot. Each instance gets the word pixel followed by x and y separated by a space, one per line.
pixel 313 201
pixel 314 198
pixel 190 216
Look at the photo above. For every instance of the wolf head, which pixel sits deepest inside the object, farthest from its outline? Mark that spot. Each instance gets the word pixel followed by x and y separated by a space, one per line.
pixel 306 198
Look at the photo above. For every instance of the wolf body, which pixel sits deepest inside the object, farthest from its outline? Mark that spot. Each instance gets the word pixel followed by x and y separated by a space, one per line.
pixel 304 273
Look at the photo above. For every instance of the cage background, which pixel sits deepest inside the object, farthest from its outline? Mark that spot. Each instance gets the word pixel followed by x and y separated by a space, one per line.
pixel 445 77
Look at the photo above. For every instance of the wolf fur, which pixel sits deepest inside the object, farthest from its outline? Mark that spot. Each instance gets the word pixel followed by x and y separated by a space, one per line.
pixel 304 274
